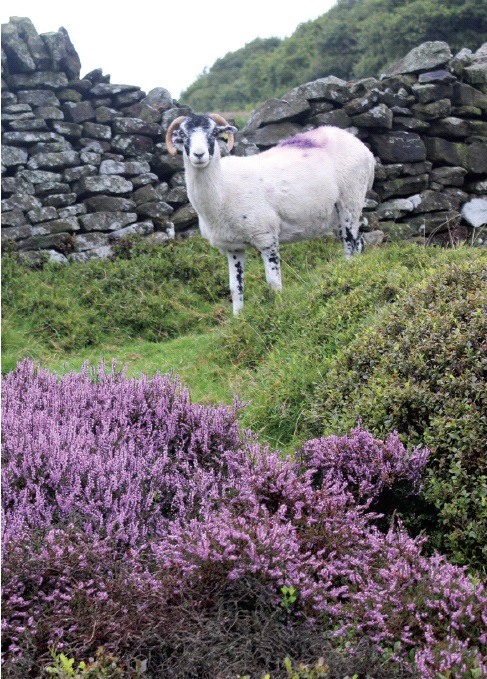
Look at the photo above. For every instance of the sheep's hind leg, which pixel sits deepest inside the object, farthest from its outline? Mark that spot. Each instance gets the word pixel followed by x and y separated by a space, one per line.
pixel 349 231
pixel 272 266
pixel 236 266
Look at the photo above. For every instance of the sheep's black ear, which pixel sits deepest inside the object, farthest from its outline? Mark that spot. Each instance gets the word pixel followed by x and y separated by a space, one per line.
pixel 225 130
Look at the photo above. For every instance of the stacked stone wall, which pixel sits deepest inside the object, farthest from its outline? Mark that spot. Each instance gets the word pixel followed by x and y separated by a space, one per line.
pixel 425 121
pixel 84 163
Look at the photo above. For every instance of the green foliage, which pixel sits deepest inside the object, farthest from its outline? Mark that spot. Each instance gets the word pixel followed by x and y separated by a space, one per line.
pixel 149 292
pixel 103 666
pixel 354 39
pixel 302 671
pixel 420 369
pixel 291 351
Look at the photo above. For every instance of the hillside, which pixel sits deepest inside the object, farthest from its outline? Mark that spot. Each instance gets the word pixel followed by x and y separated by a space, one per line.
pixel 354 39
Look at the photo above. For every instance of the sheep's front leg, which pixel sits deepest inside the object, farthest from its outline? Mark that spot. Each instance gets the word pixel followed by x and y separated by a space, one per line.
pixel 272 266
pixel 236 266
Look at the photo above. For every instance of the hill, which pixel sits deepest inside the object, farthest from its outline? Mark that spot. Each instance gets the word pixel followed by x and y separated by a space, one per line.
pixel 354 39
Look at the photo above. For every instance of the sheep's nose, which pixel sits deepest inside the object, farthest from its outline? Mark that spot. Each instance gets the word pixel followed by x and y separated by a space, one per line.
pixel 198 155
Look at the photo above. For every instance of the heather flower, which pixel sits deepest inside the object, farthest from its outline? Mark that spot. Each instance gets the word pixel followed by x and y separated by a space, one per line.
pixel 121 496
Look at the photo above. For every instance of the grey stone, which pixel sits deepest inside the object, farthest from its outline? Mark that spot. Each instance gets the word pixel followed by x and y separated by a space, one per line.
pixel 276 110
pixel 466 95
pixel 106 184
pixel 159 99
pixel 402 186
pixel 42 214
pixel 377 117
pixel 140 228
pixel 128 168
pixel 38 80
pixel 337 118
pixel 398 147
pixel 13 218
pixel 476 73
pixel 426 93
pixel 49 113
pixel 107 221
pixel 425 57
pixel 24 202
pixel 135 126
pixel 441 76
pixel 103 252
pixel 46 188
pixel 330 88
pixel 144 179
pixel 106 89
pixel 30 124
pixel 59 200
pixel 34 42
pixel 57 241
pixel 97 131
pixel 72 174
pixel 53 160
pixel 272 134
pixel 79 112
pixel 472 157
pixel 448 176
pixel 150 193
pixel 433 110
pixel 72 211
pixel 14 233
pixel 68 225
pixel 16 185
pixel 155 211
pixel 30 137
pixel 132 144
pixel 38 97
pixel 13 155
pixel 458 128
pixel 39 176
pixel 89 241
pixel 63 55
pixel 434 222
pixel 17 51
pixel 105 114
pixel 430 201
pixel 184 217
pixel 68 130
pixel 109 204
pixel 128 98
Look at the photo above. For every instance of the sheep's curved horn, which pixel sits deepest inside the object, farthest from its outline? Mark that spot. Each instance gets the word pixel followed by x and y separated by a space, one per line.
pixel 173 126
pixel 220 120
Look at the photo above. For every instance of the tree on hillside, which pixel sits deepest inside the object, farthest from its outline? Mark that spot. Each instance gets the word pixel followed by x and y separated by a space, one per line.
pixel 354 39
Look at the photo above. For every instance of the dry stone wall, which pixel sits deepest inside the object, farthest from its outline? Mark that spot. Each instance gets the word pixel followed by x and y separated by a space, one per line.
pixel 425 121
pixel 84 163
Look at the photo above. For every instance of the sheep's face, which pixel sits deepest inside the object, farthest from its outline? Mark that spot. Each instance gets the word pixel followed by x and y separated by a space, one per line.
pixel 196 137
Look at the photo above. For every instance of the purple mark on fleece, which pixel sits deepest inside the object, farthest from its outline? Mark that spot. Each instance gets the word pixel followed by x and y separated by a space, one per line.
pixel 300 141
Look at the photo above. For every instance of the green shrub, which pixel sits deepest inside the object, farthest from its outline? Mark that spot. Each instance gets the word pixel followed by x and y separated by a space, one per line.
pixel 290 340
pixel 421 369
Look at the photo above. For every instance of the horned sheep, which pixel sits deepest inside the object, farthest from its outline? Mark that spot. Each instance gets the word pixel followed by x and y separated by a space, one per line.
pixel 311 184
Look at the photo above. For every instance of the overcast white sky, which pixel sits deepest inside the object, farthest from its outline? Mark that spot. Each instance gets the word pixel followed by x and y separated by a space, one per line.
pixel 180 37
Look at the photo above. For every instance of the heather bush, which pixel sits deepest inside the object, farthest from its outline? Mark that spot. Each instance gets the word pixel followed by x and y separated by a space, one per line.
pixel 420 369
pixel 158 529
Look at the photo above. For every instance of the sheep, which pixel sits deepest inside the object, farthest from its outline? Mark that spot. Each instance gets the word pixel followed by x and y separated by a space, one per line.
pixel 311 184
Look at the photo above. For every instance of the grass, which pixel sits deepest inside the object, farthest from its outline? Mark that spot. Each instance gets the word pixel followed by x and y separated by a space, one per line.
pixel 167 308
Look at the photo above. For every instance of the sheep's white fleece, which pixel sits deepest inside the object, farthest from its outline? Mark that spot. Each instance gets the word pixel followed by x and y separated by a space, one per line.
pixel 289 193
